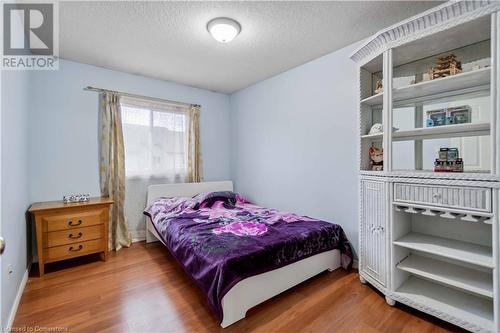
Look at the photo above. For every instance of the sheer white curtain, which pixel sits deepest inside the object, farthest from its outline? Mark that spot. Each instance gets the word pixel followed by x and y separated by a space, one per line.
pixel 156 151
pixel 155 136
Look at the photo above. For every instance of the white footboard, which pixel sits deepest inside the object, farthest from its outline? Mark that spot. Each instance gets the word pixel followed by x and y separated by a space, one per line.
pixel 256 289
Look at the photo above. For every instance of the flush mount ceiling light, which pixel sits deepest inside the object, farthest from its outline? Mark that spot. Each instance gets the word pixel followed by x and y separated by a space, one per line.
pixel 223 29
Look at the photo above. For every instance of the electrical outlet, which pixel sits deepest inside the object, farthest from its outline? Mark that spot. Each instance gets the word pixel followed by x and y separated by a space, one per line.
pixel 10 269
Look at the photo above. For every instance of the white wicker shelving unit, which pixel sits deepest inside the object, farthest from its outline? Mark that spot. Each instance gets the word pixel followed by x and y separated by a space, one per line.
pixel 431 240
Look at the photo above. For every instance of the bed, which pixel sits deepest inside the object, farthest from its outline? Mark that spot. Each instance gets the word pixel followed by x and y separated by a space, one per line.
pixel 249 277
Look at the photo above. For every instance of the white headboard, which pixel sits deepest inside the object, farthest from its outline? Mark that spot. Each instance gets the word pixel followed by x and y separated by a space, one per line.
pixel 186 189
pixel 179 190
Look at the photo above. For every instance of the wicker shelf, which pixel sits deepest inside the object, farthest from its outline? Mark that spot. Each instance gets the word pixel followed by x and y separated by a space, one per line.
pixel 450 85
pixel 373 100
pixel 429 174
pixel 456 276
pixel 439 132
pixel 437 88
pixel 373 137
pixel 432 297
pixel 449 248
pixel 435 249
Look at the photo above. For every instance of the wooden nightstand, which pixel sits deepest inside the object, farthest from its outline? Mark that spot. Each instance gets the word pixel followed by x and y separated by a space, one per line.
pixel 71 230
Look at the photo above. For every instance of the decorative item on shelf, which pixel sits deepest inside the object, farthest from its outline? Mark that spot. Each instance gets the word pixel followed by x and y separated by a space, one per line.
pixel 476 67
pixel 450 120
pixel 448 161
pixel 476 64
pixel 76 198
pixel 426 76
pixel 460 114
pixel 445 66
pixel 378 87
pixel 376 158
pixel 376 128
pixel 436 118
pixel 449 116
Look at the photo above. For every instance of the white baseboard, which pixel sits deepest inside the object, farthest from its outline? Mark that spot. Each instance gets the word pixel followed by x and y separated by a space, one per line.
pixel 138 236
pixel 17 300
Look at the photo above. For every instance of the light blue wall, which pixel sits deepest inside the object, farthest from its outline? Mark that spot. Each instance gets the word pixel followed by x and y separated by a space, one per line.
pixel 294 141
pixel 14 183
pixel 64 126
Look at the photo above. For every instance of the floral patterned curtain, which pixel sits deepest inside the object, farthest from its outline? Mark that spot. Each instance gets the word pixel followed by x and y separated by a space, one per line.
pixel 194 146
pixel 112 169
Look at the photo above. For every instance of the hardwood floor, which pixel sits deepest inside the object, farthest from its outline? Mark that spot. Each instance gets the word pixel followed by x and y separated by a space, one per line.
pixel 143 289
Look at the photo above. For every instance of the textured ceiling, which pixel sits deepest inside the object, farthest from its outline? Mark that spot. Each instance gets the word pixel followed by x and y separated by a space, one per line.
pixel 169 40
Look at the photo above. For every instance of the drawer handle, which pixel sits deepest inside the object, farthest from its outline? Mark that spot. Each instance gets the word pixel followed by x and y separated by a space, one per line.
pixel 71 224
pixel 71 248
pixel 75 237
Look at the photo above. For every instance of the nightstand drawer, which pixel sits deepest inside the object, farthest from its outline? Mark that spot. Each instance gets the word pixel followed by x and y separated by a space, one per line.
pixel 459 197
pixel 63 237
pixel 73 250
pixel 71 221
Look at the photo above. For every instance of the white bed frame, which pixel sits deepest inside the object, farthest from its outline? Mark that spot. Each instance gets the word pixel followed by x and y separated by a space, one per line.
pixel 255 289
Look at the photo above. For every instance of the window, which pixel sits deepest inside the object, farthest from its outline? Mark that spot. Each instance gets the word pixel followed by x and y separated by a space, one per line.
pixel 155 139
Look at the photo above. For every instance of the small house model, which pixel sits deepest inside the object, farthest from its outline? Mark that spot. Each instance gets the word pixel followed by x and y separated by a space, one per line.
pixel 445 66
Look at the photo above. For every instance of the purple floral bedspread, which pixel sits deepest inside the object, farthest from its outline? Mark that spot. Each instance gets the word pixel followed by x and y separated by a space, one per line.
pixel 219 246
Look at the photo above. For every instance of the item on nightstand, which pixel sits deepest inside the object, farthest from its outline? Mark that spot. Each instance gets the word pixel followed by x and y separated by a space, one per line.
pixel 76 198
pixel 376 158
pixel 448 161
pixel 378 87
pixel 449 116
